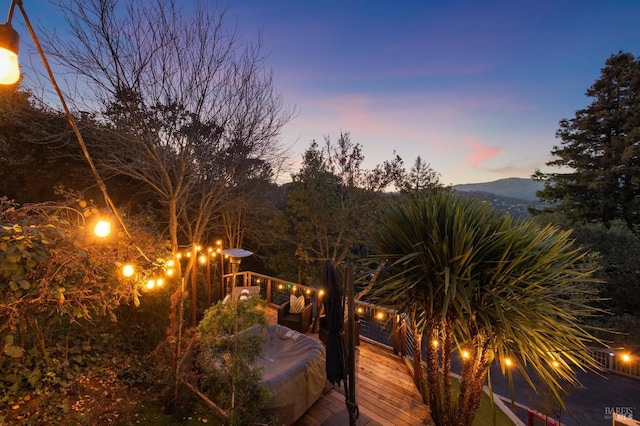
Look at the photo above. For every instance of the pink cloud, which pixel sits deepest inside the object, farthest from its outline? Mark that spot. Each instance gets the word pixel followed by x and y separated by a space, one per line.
pixel 480 152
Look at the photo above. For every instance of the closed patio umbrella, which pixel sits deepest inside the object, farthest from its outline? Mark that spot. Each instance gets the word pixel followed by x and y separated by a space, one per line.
pixel 334 310
pixel 338 369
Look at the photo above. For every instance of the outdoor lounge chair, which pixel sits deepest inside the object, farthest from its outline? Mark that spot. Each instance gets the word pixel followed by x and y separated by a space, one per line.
pixel 299 322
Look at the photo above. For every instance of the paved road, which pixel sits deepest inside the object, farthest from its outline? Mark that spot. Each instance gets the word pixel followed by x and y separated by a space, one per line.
pixel 590 405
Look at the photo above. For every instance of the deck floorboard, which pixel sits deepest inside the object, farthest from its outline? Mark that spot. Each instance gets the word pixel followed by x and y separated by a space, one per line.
pixel 385 393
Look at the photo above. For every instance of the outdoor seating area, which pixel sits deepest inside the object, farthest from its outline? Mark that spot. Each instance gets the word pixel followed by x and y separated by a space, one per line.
pixel 294 371
pixel 295 321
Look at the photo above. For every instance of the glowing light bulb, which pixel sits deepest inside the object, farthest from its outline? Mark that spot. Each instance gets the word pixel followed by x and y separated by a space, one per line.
pixel 9 68
pixel 102 228
pixel 127 270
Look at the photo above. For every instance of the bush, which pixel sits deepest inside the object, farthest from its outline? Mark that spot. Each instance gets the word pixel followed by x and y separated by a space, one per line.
pixel 227 358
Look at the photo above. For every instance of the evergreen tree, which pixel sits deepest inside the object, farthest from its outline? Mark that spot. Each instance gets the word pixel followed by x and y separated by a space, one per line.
pixel 601 148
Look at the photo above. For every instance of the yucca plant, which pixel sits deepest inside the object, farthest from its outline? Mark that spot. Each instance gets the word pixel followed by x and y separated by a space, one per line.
pixel 480 283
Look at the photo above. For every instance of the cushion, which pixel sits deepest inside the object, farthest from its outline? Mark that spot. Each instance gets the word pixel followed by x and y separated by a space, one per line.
pixel 296 304
pixel 244 294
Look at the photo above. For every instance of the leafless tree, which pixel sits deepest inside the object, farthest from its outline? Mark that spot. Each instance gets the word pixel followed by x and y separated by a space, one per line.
pixel 190 108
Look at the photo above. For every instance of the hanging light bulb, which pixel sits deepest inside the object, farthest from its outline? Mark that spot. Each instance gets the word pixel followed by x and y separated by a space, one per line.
pixel 9 43
pixel 127 270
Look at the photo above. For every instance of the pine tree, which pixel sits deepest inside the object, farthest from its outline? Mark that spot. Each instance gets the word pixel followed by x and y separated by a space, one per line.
pixel 601 148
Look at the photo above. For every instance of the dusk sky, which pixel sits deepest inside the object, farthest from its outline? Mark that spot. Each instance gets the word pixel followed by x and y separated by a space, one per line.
pixel 476 88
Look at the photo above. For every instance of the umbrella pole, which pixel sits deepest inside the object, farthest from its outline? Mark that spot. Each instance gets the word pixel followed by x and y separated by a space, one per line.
pixel 352 407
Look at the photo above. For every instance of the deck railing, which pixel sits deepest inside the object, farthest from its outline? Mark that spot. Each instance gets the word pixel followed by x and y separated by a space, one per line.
pixel 377 324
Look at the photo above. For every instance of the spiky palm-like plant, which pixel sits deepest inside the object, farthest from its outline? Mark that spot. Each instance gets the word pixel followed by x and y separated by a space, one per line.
pixel 479 282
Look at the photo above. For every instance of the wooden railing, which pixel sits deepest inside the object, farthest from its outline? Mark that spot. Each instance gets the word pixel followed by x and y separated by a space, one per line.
pixel 378 325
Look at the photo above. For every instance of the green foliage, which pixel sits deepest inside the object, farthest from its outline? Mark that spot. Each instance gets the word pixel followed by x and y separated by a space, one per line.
pixel 600 148
pixel 60 294
pixel 618 251
pixel 331 203
pixel 230 344
pixel 490 285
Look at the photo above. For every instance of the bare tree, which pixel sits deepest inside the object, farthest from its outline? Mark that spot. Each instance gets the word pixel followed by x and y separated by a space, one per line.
pixel 191 108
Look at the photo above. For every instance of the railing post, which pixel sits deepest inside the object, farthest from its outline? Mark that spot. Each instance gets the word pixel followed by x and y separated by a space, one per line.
pixel 395 335
pixel 268 291
pixel 403 339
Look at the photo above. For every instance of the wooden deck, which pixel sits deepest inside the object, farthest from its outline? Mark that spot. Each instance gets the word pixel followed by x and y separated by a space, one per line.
pixel 385 393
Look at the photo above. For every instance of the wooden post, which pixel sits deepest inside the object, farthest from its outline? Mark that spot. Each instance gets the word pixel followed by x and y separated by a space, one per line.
pixel 395 335
pixel 208 278
pixel 194 285
pixel 268 290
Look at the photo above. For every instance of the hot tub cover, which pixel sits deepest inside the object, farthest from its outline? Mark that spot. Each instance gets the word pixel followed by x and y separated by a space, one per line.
pixel 294 371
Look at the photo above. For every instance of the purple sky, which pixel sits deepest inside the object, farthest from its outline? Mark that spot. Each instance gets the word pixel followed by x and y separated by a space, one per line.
pixel 476 88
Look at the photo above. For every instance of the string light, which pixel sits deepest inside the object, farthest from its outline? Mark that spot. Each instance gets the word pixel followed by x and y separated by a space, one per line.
pixel 127 270
pixel 102 228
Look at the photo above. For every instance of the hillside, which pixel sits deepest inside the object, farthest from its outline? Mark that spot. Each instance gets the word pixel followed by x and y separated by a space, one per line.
pixel 518 188
pixel 512 195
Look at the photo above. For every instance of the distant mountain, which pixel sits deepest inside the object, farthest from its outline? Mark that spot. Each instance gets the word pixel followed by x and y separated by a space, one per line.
pixel 518 188
pixel 514 196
